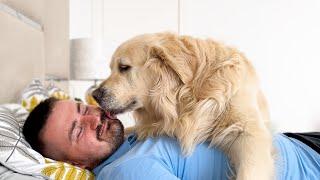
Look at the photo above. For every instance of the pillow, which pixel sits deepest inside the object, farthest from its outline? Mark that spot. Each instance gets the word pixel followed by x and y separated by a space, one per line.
pixel 88 96
pixel 16 154
pixel 54 91
pixel 62 170
pixel 33 94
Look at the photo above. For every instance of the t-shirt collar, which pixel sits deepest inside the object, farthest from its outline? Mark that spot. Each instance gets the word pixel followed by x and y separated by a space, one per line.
pixel 125 147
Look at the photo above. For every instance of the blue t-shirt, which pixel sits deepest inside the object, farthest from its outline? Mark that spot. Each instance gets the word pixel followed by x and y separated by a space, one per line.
pixel 161 158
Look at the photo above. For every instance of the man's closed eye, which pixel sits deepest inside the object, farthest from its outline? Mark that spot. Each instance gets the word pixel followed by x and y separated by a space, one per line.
pixel 77 133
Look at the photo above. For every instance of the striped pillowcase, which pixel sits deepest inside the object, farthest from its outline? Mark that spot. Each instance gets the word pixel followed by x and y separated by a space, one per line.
pixel 15 152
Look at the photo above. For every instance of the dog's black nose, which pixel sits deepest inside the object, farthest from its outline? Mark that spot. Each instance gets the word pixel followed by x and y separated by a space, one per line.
pixel 98 94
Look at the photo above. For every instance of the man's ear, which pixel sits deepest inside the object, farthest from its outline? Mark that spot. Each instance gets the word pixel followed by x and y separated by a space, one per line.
pixel 175 55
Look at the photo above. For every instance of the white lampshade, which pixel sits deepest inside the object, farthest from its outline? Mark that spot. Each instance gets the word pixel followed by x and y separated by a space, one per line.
pixel 86 60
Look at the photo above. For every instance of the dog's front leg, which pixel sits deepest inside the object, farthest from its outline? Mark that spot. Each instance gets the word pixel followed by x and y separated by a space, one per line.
pixel 251 153
pixel 196 124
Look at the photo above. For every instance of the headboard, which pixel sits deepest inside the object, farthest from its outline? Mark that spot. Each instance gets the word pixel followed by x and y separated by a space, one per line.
pixel 21 53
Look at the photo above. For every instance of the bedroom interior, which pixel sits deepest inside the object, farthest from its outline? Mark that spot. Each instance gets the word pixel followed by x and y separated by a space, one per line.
pixel 63 47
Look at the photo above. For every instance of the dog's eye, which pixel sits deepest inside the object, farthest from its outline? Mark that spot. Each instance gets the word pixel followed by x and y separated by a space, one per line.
pixel 123 68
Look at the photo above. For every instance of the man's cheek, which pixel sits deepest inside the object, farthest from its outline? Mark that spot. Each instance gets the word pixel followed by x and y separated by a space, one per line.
pixel 90 136
pixel 91 142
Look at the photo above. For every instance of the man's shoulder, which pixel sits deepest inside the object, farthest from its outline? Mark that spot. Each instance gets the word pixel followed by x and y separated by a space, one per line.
pixel 156 146
pixel 154 153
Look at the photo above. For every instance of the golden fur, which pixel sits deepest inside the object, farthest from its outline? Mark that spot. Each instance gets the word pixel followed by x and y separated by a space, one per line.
pixel 195 90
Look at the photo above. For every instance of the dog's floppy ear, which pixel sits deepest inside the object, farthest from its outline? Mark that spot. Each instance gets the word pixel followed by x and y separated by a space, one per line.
pixel 175 55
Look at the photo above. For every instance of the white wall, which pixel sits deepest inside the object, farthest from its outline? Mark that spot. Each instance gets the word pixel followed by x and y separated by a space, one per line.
pixel 281 38
pixel 80 16
pixel 124 19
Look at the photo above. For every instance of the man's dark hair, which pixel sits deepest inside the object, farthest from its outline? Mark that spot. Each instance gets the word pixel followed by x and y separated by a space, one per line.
pixel 36 121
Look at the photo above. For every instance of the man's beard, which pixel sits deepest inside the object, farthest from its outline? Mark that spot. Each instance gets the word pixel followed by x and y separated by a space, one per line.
pixel 114 132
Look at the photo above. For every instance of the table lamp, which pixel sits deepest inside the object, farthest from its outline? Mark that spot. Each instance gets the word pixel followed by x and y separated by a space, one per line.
pixel 87 63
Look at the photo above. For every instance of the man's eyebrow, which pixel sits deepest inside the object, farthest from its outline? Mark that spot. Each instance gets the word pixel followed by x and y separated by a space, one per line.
pixel 78 107
pixel 74 123
pixel 71 130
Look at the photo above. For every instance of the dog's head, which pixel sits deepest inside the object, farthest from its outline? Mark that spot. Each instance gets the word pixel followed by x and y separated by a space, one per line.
pixel 144 70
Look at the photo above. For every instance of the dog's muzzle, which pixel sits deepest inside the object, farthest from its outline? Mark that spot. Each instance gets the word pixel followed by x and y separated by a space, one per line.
pixel 99 95
pixel 105 99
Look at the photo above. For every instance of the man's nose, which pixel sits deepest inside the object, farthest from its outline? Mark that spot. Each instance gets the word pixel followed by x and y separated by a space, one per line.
pixel 91 121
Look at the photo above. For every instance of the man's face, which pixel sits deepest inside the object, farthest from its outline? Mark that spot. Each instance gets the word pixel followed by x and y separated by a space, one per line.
pixel 81 135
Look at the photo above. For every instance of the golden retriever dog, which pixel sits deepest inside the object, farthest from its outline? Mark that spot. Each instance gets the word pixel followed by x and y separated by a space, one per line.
pixel 194 90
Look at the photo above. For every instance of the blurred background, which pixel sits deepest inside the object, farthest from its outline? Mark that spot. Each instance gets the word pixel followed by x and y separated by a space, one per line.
pixel 71 42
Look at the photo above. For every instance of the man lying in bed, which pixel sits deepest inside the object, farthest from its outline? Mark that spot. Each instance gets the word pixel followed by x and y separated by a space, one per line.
pixel 88 137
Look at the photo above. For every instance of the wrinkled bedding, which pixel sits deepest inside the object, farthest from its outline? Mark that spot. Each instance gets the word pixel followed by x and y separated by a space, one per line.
pixel 7 174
